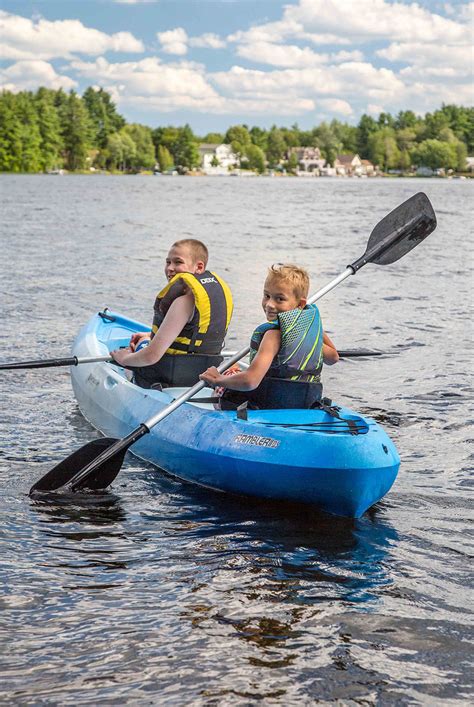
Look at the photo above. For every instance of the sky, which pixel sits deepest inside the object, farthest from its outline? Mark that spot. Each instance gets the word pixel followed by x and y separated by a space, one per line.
pixel 216 63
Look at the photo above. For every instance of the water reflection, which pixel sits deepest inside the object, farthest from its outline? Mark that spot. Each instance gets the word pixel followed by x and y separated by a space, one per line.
pixel 97 509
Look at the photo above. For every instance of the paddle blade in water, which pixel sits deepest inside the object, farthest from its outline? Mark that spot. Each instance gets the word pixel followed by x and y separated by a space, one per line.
pixel 398 232
pixel 63 472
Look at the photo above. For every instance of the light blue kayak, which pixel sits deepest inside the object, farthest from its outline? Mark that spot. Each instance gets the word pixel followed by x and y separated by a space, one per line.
pixel 304 456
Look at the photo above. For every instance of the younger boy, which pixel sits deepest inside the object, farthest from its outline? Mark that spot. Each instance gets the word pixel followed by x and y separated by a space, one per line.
pixel 191 316
pixel 290 345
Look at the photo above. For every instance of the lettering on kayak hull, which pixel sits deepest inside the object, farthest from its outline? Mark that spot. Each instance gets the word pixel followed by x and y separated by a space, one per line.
pixel 257 440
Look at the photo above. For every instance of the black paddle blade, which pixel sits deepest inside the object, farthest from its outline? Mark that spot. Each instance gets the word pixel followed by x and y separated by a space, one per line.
pixel 66 470
pixel 398 232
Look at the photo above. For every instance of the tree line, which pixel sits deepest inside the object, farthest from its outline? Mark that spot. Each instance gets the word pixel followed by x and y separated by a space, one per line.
pixel 51 129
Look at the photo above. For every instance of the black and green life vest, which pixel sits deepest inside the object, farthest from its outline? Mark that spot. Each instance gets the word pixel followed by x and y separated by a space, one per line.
pixel 213 305
pixel 300 357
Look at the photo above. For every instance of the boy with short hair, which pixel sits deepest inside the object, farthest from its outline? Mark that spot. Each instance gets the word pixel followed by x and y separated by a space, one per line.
pixel 191 316
pixel 291 345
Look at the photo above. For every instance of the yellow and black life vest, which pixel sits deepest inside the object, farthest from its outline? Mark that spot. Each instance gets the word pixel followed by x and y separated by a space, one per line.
pixel 213 306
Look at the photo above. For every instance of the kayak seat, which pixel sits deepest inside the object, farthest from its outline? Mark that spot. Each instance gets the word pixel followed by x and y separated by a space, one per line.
pixel 174 371
pixel 274 394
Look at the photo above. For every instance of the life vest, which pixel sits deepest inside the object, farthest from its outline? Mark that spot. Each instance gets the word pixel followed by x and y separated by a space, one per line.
pixel 213 306
pixel 293 379
pixel 300 357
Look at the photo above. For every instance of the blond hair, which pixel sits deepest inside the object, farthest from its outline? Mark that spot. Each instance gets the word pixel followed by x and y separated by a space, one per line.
pixel 292 275
pixel 197 249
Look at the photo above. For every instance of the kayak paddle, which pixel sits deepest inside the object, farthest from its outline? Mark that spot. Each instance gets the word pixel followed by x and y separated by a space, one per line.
pixel 96 464
pixel 51 362
pixel 69 361
pixel 75 361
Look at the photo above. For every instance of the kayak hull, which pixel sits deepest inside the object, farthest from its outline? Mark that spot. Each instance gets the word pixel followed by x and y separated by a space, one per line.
pixel 300 456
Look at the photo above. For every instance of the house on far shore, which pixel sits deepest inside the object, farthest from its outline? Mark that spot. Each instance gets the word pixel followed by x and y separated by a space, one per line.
pixel 216 159
pixel 309 158
pixel 368 168
pixel 348 165
pixel 469 164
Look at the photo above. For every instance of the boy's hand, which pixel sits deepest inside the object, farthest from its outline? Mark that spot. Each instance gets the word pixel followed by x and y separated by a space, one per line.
pixel 120 356
pixel 135 338
pixel 212 377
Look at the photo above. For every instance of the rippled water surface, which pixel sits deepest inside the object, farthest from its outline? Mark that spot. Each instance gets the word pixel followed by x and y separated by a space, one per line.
pixel 160 592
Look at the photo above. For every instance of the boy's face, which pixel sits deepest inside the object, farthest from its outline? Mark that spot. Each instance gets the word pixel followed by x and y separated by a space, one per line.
pixel 278 296
pixel 181 259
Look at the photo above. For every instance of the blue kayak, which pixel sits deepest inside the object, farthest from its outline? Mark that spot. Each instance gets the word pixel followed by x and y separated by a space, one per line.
pixel 340 465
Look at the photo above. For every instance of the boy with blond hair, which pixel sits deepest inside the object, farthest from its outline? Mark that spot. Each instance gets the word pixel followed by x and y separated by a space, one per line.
pixel 290 346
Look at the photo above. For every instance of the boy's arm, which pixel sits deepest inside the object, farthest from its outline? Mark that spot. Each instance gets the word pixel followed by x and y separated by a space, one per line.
pixel 176 318
pixel 330 355
pixel 253 376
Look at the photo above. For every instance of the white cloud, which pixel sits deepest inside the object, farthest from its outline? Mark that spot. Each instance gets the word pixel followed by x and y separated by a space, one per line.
pixel 28 75
pixel 374 19
pixel 207 41
pixel 336 105
pixel 280 55
pixel 442 56
pixel 174 41
pixel 22 38
pixel 149 78
pixel 291 56
pixel 182 86
pixel 347 79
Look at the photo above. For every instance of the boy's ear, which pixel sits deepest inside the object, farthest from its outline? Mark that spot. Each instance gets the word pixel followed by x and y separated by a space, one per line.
pixel 199 267
pixel 302 303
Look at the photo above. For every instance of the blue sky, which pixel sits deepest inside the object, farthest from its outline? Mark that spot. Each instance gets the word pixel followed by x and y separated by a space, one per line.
pixel 214 63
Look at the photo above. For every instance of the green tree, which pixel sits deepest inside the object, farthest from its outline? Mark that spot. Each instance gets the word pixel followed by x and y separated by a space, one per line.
pixel 256 158
pixel 213 138
pixel 345 134
pixel 121 150
pixel 383 149
pixel 144 157
pixel 30 156
pixel 10 134
pixel 164 158
pixel 276 147
pixel 76 131
pixel 365 128
pixel 50 129
pixel 328 142
pixel 385 120
pixel 405 119
pixel 185 151
pixel 258 137
pixel 406 139
pixel 292 163
pixel 238 137
pixel 103 115
pixel 435 154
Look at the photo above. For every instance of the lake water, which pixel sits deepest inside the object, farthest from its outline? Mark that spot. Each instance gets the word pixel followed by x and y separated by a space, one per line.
pixel 160 592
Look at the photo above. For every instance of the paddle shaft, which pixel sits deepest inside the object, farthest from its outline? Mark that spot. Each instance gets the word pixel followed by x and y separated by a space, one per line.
pixel 52 362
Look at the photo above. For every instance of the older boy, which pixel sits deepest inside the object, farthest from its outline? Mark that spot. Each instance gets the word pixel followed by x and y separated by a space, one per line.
pixel 191 316
pixel 290 346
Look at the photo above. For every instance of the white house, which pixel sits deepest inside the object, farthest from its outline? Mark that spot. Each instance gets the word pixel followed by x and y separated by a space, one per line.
pixel 309 158
pixel 217 159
